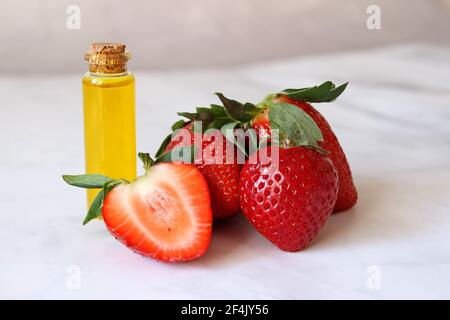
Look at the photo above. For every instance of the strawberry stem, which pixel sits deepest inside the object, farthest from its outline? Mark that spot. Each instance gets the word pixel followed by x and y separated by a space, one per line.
pixel 146 160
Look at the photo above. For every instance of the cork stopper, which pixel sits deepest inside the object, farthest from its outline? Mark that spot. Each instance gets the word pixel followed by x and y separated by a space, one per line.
pixel 107 57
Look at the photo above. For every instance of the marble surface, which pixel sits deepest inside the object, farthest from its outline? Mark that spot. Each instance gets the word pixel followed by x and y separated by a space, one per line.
pixel 393 122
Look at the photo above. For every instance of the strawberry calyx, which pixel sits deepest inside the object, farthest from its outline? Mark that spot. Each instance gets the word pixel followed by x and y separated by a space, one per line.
pixel 294 126
pixel 94 181
pixel 212 117
pixel 147 161
pixel 239 112
pixel 326 92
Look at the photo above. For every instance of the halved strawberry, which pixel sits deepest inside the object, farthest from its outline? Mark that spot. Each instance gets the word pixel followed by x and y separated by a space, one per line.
pixel 165 214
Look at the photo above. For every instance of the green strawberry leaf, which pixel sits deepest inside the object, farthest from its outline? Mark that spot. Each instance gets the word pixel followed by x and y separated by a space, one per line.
pixel 87 181
pixel 218 123
pixel 218 111
pixel 190 115
pixel 111 185
pixel 201 110
pixel 95 209
pixel 295 126
pixel 178 125
pixel 146 160
pixel 205 116
pixel 326 92
pixel 94 181
pixel 237 111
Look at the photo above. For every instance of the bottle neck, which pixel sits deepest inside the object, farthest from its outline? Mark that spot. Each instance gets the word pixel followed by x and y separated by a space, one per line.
pixel 107 75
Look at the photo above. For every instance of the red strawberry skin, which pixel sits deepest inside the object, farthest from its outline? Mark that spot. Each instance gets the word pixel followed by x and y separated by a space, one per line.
pixel 347 194
pixel 165 214
pixel 290 205
pixel 222 178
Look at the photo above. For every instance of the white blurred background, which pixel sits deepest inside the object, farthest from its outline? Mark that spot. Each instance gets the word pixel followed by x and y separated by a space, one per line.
pixel 168 34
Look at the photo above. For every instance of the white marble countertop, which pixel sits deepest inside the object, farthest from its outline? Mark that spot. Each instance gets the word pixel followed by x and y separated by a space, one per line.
pixel 393 122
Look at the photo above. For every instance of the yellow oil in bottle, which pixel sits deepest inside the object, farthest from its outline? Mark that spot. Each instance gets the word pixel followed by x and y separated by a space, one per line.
pixel 109 123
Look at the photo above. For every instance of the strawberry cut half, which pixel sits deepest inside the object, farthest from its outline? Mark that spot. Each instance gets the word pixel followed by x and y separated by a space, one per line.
pixel 165 214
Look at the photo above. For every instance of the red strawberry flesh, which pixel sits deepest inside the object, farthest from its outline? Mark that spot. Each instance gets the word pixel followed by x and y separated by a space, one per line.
pixel 165 214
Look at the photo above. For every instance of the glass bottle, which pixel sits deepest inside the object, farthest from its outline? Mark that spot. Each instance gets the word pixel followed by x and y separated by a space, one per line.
pixel 109 114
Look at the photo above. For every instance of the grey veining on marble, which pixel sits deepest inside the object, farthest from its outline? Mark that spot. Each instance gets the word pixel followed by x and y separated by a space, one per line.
pixel 393 122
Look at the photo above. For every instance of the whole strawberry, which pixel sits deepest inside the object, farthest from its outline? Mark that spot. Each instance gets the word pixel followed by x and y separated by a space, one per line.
pixel 289 203
pixel 222 177
pixel 347 194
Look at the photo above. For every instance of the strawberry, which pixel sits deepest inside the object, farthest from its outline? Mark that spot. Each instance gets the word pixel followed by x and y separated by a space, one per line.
pixel 347 195
pixel 222 177
pixel 165 214
pixel 289 204
pixel 289 198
